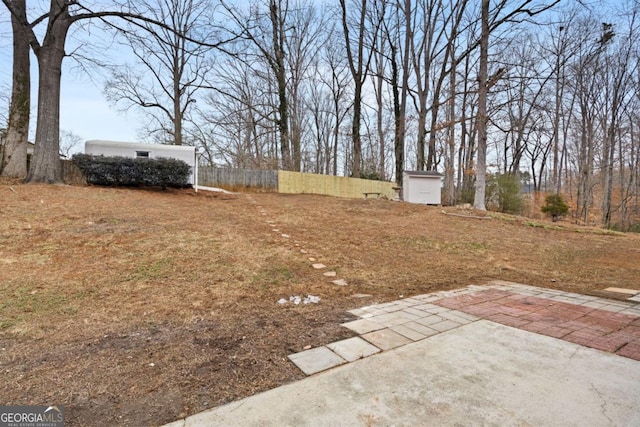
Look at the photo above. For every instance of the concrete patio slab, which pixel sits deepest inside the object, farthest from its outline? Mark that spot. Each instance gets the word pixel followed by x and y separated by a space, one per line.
pixel 316 360
pixel 482 373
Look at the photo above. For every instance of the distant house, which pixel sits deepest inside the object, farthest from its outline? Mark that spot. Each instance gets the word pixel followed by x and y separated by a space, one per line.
pixel 422 187
pixel 145 151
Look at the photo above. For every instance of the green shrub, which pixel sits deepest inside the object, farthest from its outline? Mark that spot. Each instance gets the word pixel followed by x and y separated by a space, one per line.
pixel 554 206
pixel 371 174
pixel 503 190
pixel 133 172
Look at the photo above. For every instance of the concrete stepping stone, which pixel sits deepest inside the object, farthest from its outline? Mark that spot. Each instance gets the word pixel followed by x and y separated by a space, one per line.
pixel 318 266
pixel 330 274
pixel 386 339
pixel 312 259
pixel 424 330
pixel 410 333
pixel 286 236
pixel 316 360
pixel 395 318
pixel 630 292
pixel 362 326
pixel 353 349
pixel 339 282
pixel 445 325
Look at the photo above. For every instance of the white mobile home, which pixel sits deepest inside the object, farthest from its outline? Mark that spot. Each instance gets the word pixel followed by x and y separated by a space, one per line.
pixel 422 187
pixel 148 151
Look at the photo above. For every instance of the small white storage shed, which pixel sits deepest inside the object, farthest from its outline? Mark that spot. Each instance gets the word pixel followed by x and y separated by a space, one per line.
pixel 149 151
pixel 422 187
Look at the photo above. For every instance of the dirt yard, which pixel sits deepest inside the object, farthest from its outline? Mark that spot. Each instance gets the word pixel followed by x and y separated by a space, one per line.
pixel 137 307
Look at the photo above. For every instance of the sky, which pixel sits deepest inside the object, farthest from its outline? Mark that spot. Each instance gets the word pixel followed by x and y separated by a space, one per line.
pixel 83 108
pixel 86 113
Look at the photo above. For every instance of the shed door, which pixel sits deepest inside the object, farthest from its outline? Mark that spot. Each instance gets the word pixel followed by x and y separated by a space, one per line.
pixel 422 191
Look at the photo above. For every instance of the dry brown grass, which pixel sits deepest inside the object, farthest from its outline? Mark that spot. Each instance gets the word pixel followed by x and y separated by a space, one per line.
pixel 134 307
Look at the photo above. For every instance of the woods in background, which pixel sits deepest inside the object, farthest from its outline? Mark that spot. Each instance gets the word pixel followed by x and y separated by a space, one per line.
pixel 542 91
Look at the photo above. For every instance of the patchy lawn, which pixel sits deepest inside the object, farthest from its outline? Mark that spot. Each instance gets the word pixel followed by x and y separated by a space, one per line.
pixel 134 307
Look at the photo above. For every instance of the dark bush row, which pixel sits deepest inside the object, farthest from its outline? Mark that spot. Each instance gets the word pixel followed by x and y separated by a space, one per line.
pixel 133 172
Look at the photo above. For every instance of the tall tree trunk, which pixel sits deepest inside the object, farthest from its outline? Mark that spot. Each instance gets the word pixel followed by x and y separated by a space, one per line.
pixel 281 79
pixel 481 118
pixel 449 169
pixel 359 67
pixel 379 81
pixel 402 125
pixel 14 161
pixel 355 132
pixel 177 119
pixel 45 165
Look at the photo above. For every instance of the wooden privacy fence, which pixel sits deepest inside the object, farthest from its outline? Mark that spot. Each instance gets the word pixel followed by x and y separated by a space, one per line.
pixel 287 182
pixel 337 186
pixel 239 179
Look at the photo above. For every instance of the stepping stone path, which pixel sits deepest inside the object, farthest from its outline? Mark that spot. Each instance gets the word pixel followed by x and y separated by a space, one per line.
pixel 604 324
pixel 315 265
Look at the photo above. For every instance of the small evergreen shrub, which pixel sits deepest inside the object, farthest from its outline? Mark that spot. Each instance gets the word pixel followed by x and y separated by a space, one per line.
pixel 503 190
pixel 133 172
pixel 371 174
pixel 554 206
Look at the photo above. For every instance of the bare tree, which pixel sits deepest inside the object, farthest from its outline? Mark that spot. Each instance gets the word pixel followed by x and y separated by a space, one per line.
pixel 169 67
pixel 50 52
pixel 69 143
pixel 359 48
pixel 501 15
pixel 618 71
pixel 481 118
pixel 337 82
pixel 14 153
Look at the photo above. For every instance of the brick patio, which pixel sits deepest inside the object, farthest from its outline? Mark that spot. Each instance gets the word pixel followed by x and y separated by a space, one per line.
pixel 603 324
pixel 596 328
